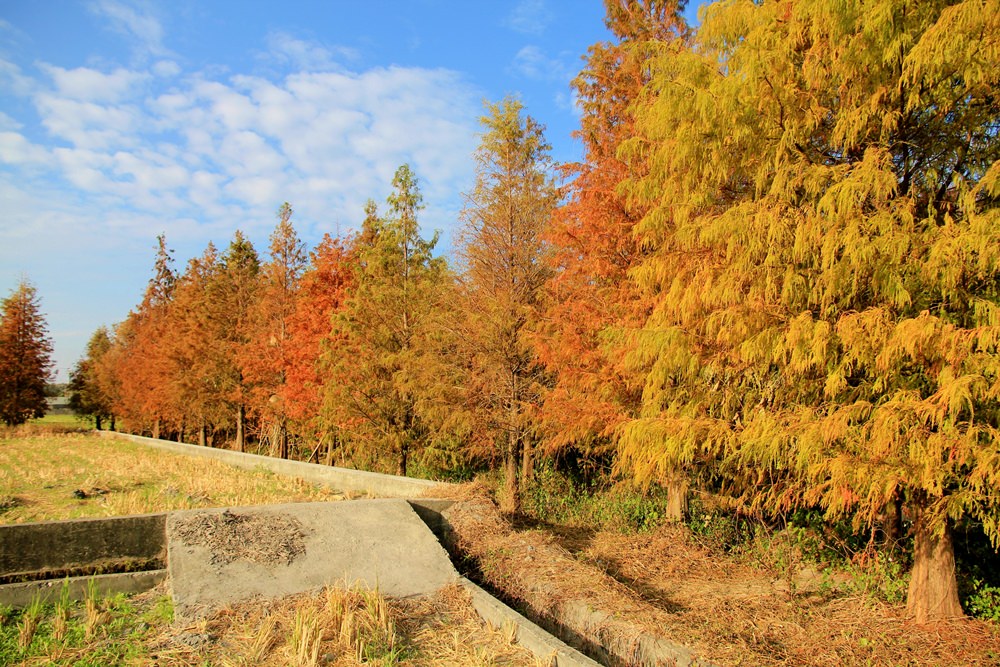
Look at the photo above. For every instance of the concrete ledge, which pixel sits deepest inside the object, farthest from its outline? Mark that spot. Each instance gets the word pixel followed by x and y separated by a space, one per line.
pixel 22 595
pixel 342 479
pixel 58 545
pixel 549 650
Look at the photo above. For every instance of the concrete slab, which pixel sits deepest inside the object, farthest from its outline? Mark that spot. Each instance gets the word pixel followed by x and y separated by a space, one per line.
pixel 222 556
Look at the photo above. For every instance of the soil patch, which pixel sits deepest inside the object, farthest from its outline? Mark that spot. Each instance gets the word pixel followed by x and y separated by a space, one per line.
pixel 264 539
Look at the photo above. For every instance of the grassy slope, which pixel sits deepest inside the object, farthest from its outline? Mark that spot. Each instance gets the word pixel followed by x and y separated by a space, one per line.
pixel 73 475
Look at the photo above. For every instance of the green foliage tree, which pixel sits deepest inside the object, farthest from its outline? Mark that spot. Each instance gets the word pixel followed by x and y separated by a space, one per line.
pixel 25 356
pixel 824 267
pixel 236 292
pixel 88 393
pixel 382 332
pixel 504 269
pixel 196 345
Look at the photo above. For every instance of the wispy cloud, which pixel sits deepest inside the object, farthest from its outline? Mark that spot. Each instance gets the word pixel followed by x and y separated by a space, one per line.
pixel 305 54
pixel 533 62
pixel 530 17
pixel 135 20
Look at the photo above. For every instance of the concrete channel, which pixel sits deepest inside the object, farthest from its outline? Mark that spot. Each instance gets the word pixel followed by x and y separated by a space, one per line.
pixel 132 554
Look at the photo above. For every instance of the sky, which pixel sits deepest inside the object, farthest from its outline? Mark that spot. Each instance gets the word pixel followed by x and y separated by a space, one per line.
pixel 124 119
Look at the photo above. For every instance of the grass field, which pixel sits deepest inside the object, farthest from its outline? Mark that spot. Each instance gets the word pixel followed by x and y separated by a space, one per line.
pixel 72 475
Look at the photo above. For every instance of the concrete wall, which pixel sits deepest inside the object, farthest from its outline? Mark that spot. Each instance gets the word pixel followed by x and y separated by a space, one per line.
pixel 59 545
pixel 342 479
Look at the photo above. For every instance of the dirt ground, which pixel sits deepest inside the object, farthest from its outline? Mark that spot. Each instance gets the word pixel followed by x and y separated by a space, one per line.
pixel 724 609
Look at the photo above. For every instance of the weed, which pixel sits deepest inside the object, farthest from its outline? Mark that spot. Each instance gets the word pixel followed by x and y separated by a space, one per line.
pixel 61 622
pixel 984 601
pixel 29 623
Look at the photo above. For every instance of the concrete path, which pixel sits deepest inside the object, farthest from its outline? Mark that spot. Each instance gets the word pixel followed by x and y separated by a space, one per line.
pixel 222 556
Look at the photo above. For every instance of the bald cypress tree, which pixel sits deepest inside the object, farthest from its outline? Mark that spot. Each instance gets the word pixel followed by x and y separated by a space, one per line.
pixel 501 247
pixel 25 356
pixel 824 268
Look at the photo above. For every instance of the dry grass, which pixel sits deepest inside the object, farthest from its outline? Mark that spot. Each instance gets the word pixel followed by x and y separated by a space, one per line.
pixel 344 628
pixel 67 476
pixel 725 609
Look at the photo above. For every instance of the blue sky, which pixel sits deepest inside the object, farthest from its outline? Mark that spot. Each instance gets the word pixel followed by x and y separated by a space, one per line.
pixel 122 119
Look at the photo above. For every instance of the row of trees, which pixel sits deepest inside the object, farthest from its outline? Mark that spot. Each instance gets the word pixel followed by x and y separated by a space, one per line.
pixel 775 276
pixel 369 350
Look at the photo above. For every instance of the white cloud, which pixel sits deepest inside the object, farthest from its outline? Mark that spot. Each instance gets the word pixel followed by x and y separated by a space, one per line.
pixel 530 17
pixel 224 151
pixel 306 55
pixel 16 150
pixel 166 68
pixel 91 85
pixel 136 21
pixel 14 81
pixel 534 63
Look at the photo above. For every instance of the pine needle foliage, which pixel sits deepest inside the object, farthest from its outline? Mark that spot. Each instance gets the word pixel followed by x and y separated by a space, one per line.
pixel 824 260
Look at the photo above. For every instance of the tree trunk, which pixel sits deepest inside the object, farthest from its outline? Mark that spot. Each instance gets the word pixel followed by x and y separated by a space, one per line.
pixel 677 501
pixel 203 434
pixel 933 593
pixel 97 422
pixel 282 440
pixel 112 422
pixel 892 528
pixel 240 435
pixel 527 463
pixel 510 502
pixel 404 452
pixel 156 429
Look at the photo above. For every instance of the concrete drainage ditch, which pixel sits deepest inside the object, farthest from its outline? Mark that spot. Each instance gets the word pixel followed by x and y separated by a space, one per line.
pixel 135 553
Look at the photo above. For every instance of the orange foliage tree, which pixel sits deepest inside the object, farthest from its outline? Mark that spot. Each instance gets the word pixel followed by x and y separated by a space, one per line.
pixel 590 299
pixel 322 291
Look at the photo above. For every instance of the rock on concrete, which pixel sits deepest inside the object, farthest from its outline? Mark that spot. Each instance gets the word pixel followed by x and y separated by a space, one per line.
pixel 222 556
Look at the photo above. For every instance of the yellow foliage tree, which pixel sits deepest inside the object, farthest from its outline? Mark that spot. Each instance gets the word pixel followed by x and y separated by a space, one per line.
pixel 824 266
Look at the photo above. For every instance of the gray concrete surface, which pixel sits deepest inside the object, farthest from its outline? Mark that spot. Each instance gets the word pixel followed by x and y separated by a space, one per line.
pixel 377 544
pixel 548 649
pixel 49 590
pixel 54 545
pixel 341 479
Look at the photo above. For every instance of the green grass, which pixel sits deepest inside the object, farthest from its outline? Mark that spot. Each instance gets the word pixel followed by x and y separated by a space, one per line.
pixel 67 420
pixel 111 631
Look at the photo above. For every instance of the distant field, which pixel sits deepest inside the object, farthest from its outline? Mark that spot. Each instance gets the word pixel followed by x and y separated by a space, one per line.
pixel 73 475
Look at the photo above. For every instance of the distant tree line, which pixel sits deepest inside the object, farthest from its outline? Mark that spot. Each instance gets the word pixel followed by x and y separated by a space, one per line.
pixel 774 276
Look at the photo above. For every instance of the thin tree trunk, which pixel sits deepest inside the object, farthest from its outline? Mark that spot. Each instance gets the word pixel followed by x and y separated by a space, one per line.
pixel 112 422
pixel 203 434
pixel 97 422
pixel 527 463
pixel 240 435
pixel 933 592
pixel 156 429
pixel 282 439
pixel 892 527
pixel 404 452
